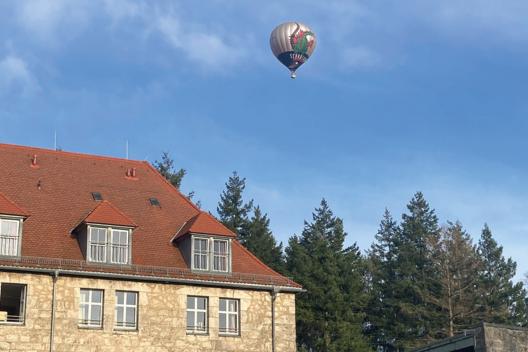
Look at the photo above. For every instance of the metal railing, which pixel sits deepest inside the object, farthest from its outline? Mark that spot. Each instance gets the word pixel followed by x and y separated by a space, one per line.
pixel 146 270
pixel 8 245
pixel 13 319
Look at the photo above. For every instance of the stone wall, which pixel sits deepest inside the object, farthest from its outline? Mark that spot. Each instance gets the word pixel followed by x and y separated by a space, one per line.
pixel 161 318
pixel 505 339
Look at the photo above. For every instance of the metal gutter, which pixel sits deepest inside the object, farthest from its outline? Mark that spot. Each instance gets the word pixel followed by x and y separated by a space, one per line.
pixel 209 283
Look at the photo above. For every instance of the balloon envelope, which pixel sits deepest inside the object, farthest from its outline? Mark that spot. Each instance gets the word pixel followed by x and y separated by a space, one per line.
pixel 292 44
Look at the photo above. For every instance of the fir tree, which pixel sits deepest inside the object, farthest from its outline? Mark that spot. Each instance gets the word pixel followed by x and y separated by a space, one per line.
pixel 331 312
pixel 458 261
pixel 500 300
pixel 417 281
pixel 166 168
pixel 232 210
pixel 260 241
pixel 382 306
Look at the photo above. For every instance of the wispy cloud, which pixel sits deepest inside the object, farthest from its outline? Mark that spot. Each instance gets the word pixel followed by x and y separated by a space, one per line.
pixel 209 50
pixel 15 77
pixel 361 57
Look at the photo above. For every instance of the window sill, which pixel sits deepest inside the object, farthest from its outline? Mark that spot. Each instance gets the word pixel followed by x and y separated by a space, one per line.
pixel 10 323
pixel 88 327
pixel 197 333
pixel 120 330
pixel 223 334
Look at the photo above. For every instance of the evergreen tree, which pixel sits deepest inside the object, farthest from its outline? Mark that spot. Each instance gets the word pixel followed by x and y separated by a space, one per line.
pixel 166 168
pixel 260 241
pixel 232 210
pixel 330 313
pixel 458 261
pixel 382 310
pixel 500 300
pixel 417 282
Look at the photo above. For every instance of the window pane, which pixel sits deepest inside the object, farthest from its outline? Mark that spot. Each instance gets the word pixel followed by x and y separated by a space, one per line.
pixel 200 320
pixel 120 297
pixel 190 320
pixel 223 320
pixel 84 314
pixel 233 305
pixel 222 305
pixel 201 302
pixel 131 298
pixel 96 314
pixel 233 323
pixel 131 316
pixel 85 295
pixel 119 314
pixel 190 302
pixel 97 296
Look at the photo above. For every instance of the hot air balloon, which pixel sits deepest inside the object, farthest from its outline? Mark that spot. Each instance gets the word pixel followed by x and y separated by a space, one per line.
pixel 292 44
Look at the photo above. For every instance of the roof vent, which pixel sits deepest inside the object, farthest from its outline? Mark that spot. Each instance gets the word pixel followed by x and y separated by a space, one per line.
pixel 154 202
pixel 34 161
pixel 97 196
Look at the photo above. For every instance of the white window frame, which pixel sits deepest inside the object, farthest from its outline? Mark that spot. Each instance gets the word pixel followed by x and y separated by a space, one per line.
pixel 10 244
pixel 226 314
pixel 21 317
pixel 202 254
pixel 196 329
pixel 220 256
pixel 122 325
pixel 120 251
pixel 211 257
pixel 97 245
pixel 90 303
pixel 109 248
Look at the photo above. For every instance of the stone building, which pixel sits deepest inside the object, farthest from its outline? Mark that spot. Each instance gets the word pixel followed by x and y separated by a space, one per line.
pixel 485 338
pixel 103 254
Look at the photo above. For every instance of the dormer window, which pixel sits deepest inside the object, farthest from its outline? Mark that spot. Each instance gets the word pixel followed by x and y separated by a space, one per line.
pixel 108 245
pixel 211 254
pixel 10 229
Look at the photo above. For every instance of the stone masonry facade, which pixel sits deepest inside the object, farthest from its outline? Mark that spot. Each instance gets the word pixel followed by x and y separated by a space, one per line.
pixel 161 318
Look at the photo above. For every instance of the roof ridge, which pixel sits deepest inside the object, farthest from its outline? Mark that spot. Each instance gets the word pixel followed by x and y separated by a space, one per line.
pixel 62 152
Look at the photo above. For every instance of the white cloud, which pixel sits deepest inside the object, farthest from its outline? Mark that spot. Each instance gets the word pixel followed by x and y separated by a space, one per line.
pixel 210 51
pixel 47 20
pixel 16 77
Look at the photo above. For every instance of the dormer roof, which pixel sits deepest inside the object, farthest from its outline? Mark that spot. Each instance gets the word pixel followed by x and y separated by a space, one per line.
pixel 204 223
pixel 107 214
pixel 8 207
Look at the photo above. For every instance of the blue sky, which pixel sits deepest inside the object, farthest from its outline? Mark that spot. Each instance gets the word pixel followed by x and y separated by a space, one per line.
pixel 399 96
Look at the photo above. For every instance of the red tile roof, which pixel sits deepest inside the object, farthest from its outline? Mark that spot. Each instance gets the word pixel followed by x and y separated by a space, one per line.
pixel 57 194
pixel 204 223
pixel 105 213
pixel 7 207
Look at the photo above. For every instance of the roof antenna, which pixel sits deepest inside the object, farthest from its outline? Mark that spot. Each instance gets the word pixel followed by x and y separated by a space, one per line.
pixel 126 148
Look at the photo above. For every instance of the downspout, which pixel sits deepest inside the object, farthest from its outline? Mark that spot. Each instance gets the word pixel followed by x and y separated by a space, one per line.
pixel 274 293
pixel 53 298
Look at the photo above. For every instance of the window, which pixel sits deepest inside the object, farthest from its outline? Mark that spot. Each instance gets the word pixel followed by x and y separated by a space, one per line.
pixel 220 255
pixel 91 308
pixel 228 314
pixel 12 303
pixel 119 246
pixel 126 310
pixel 107 245
pixel 9 234
pixel 210 250
pixel 201 253
pixel 97 244
pixel 196 315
